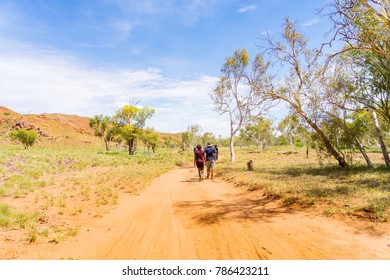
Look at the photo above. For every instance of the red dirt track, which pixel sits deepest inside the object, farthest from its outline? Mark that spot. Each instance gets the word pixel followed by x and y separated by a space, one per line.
pixel 177 217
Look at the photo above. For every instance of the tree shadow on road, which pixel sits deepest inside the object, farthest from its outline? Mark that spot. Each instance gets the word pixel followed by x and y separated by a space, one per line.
pixel 240 207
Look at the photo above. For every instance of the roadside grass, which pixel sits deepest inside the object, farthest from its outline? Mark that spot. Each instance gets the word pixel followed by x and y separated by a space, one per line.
pixel 9 217
pixel 47 190
pixel 295 179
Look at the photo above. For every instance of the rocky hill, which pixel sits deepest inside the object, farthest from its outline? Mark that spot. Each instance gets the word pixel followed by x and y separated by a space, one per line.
pixel 53 129
pixel 59 129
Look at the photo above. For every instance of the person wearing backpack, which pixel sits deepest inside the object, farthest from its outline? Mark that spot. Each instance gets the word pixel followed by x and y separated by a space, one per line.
pixel 210 153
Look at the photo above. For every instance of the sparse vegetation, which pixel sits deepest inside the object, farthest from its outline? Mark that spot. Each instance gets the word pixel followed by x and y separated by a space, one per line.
pixel 295 179
pixel 70 183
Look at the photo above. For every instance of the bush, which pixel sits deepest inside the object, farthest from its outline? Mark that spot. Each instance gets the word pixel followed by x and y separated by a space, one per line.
pixel 26 137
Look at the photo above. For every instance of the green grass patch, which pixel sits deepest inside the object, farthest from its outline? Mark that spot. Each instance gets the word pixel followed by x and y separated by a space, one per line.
pixel 9 217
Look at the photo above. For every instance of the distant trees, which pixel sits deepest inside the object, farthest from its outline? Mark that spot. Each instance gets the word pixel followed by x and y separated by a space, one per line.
pixel 104 127
pixel 24 136
pixel 128 125
pixel 208 137
pixel 151 138
pixel 191 137
pixel 258 132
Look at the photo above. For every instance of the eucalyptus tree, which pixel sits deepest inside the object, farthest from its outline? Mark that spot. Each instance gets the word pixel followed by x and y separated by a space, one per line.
pixel 208 137
pixel 185 140
pixel 289 127
pixel 194 134
pixel 301 88
pixel 151 138
pixel 132 120
pixel 294 129
pixel 233 96
pixel 364 89
pixel 361 24
pixel 258 132
pixel 372 78
pixel 104 127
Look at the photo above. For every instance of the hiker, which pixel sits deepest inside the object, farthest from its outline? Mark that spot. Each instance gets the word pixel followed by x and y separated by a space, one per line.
pixel 210 159
pixel 199 159
pixel 216 152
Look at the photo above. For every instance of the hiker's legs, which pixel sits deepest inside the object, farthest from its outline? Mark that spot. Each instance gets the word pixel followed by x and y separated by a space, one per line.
pixel 200 173
pixel 208 164
pixel 212 169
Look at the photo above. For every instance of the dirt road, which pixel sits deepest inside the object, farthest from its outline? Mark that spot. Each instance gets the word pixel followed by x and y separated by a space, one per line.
pixel 177 217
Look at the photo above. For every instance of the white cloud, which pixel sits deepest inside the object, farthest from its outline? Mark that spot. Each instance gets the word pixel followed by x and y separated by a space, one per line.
pixel 246 9
pixel 49 81
pixel 310 22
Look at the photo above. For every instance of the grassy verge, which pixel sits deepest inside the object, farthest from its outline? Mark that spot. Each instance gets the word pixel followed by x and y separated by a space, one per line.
pixel 296 179
pixel 48 191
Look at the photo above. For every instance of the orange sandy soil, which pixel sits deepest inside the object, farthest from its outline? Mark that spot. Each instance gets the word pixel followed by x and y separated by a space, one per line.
pixel 177 217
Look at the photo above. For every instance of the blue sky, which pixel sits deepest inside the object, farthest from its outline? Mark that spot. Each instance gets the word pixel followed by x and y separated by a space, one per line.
pixel 89 57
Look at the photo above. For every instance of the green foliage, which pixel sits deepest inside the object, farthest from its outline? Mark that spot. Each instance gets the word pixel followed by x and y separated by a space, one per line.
pixel 105 127
pixel 191 137
pixel 258 132
pixel 26 137
pixel 151 139
pixel 208 137
pixel 132 119
pixel 185 140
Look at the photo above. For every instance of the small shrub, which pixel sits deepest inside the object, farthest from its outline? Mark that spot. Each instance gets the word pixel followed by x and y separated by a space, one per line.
pixel 22 219
pixel 26 137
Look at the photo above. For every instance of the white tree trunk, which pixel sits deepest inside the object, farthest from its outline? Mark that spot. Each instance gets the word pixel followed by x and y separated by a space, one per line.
pixel 380 138
pixel 232 148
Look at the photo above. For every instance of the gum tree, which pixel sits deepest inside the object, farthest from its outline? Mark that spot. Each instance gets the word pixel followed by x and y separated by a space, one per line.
pixel 300 88
pixel 104 127
pixel 233 96
pixel 132 119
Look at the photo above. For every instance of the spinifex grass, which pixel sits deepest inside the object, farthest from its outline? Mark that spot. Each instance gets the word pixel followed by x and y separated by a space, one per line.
pixel 297 179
